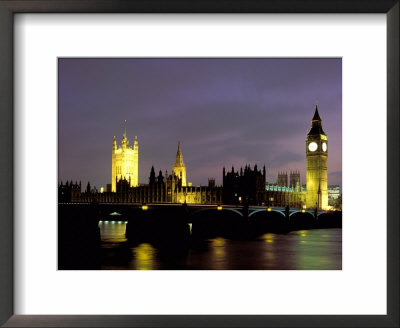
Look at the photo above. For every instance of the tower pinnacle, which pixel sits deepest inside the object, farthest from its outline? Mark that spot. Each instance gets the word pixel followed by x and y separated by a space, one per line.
pixel 316 124
pixel 179 157
pixel 124 128
pixel 179 167
pixel 316 114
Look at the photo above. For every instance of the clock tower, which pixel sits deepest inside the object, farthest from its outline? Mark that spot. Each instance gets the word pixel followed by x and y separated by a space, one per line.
pixel 317 164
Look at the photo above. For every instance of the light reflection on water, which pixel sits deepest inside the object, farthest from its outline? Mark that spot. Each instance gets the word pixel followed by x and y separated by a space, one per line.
pixel 112 232
pixel 269 249
pixel 219 253
pixel 319 249
pixel 145 257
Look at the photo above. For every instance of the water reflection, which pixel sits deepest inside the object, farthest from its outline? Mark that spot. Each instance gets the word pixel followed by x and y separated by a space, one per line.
pixel 269 250
pixel 269 237
pixel 303 233
pixel 112 231
pixel 219 253
pixel 144 255
pixel 318 249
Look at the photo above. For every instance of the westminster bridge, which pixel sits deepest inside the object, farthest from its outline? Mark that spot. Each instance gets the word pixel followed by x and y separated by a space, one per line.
pixel 196 216
pixel 129 210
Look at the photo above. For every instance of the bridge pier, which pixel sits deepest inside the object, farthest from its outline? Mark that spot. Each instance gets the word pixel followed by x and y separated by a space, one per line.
pixel 245 212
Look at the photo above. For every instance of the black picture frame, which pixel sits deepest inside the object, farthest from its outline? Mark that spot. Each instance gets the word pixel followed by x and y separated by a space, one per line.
pixel 10 7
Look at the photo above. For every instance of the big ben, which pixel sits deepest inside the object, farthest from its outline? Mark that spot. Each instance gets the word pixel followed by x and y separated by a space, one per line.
pixel 317 164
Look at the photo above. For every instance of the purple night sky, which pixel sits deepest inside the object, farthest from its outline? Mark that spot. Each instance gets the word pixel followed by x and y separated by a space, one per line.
pixel 224 112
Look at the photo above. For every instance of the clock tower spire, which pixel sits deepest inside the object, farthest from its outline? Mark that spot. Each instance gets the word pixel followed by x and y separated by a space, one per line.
pixel 317 164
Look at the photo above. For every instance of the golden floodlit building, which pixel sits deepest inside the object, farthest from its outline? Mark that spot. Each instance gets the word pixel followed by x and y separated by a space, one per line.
pixel 125 162
pixel 317 164
pixel 179 168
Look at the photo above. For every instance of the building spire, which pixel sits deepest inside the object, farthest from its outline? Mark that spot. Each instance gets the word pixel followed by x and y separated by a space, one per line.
pixel 316 114
pixel 316 123
pixel 179 168
pixel 179 153
pixel 179 157
pixel 179 148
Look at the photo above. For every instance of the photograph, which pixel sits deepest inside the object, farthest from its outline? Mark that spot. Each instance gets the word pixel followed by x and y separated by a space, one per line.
pixel 199 163
pixel 199 153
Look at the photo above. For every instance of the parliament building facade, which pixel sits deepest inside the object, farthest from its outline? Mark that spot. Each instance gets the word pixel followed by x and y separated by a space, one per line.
pixel 245 186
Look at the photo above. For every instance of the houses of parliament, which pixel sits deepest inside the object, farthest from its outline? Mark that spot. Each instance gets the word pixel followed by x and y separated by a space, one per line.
pixel 244 186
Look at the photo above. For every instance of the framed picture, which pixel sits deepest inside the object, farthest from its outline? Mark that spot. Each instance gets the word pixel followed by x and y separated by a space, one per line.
pixel 26 129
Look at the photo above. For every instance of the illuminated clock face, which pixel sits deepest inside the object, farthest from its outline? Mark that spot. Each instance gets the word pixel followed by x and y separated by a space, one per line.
pixel 312 146
pixel 324 146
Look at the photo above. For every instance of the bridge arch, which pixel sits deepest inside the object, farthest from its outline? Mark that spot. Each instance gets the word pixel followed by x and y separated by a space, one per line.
pixel 302 220
pixel 262 221
pixel 215 209
pixel 301 214
pixel 265 210
pixel 212 222
pixel 329 220
pixel 294 212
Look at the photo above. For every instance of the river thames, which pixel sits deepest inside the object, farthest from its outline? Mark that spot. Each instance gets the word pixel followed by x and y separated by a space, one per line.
pixel 315 249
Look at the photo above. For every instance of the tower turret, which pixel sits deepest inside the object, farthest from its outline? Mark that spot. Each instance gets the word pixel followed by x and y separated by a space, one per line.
pixel 160 178
pixel 317 164
pixel 264 173
pixel 124 162
pixel 114 146
pixel 152 179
